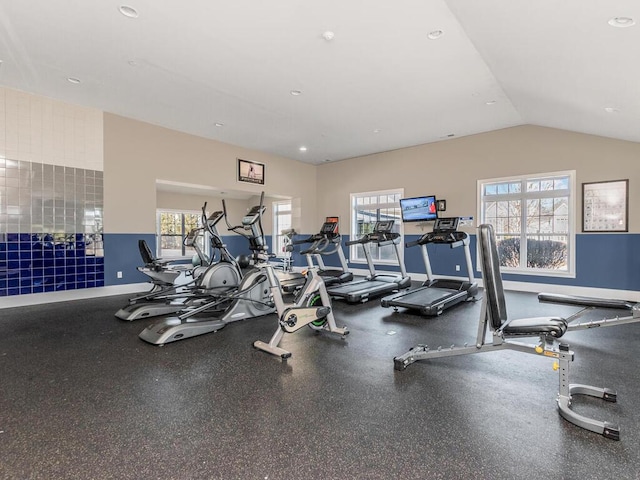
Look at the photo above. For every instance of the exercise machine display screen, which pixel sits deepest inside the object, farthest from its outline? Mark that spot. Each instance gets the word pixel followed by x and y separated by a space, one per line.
pixel 449 224
pixel 419 209
pixel 383 226
pixel 329 228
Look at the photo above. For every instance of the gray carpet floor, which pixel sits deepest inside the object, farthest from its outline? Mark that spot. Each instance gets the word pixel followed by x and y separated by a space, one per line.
pixel 82 397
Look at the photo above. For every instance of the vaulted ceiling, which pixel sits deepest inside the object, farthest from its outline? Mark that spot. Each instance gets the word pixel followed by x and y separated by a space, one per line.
pixel 341 78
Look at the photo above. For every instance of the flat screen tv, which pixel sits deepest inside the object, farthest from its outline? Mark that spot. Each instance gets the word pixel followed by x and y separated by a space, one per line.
pixel 419 209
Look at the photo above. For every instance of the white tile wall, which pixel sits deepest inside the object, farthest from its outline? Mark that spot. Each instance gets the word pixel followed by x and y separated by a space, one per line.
pixel 44 130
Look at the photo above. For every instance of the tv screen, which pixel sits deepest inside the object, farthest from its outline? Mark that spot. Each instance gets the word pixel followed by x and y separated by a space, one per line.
pixel 419 209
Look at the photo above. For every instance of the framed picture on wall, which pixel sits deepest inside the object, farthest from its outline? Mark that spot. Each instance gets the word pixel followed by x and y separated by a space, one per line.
pixel 605 206
pixel 251 172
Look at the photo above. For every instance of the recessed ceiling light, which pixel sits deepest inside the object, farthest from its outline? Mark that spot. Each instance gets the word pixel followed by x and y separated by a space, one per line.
pixel 377 130
pixel 128 11
pixel 303 149
pixel 611 110
pixel 217 124
pixel 435 34
pixel 133 63
pixel 73 80
pixel 328 35
pixel 295 93
pixel 491 102
pixel 622 22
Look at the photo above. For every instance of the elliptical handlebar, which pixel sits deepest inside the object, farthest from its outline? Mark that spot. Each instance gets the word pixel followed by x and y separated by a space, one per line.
pixel 224 211
pixel 251 228
pixel 204 214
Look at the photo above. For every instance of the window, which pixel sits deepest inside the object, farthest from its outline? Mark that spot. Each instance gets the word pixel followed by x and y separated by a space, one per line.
pixel 281 221
pixel 366 210
pixel 533 218
pixel 173 227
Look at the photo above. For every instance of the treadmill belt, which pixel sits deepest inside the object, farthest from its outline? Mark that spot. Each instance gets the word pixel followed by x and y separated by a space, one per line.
pixel 426 296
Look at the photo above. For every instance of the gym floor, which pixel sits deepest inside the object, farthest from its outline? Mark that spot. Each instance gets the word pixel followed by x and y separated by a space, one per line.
pixel 82 397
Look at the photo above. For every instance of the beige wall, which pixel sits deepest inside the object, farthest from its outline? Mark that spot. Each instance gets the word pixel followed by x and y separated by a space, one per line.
pixel 136 154
pixel 450 169
pixel 185 203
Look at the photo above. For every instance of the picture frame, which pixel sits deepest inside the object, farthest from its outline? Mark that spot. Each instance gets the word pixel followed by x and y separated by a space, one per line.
pixel 441 205
pixel 605 206
pixel 251 172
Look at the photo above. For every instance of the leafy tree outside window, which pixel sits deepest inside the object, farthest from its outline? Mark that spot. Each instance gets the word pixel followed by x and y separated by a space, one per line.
pixel 533 218
pixel 173 227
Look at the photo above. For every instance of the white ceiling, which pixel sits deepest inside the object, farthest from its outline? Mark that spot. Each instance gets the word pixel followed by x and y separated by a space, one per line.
pixel 380 84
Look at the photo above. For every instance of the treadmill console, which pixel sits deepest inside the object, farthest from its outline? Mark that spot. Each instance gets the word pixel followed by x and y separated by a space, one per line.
pixel 445 230
pixel 382 232
pixel 329 229
pixel 446 225
pixel 383 226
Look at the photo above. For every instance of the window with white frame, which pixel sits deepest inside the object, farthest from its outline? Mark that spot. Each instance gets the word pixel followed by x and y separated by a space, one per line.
pixel 281 222
pixel 367 209
pixel 533 218
pixel 173 227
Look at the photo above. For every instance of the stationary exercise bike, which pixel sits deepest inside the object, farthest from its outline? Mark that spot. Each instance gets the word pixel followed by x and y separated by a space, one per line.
pixel 311 306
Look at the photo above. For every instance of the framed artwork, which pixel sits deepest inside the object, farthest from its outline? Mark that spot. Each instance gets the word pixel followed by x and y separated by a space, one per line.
pixel 605 206
pixel 441 205
pixel 251 172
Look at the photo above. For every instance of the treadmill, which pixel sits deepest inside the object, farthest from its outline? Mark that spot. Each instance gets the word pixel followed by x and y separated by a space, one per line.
pixel 436 295
pixel 374 285
pixel 327 242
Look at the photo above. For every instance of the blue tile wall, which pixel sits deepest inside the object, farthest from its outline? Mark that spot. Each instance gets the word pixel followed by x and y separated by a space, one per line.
pixel 35 263
pixel 50 228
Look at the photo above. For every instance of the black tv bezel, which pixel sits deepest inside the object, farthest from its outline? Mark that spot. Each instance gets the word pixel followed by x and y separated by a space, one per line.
pixel 417 220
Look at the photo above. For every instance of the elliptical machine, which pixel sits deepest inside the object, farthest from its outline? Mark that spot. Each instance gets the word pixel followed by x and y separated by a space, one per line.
pixel 208 275
pixel 248 297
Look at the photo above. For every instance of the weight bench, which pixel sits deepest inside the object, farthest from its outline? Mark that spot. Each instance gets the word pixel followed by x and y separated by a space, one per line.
pixel 493 315
pixel 589 304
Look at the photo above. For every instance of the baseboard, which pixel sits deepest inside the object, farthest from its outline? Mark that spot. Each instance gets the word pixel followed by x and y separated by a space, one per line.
pixel 69 295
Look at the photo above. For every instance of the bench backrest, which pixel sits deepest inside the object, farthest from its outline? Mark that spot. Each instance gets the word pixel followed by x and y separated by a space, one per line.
pixel 490 261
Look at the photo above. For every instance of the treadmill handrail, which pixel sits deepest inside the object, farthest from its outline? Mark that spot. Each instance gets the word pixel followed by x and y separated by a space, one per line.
pixel 362 240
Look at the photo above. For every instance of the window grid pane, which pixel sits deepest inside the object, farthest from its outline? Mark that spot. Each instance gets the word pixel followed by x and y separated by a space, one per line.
pixel 367 211
pixel 282 220
pixel 173 228
pixel 544 244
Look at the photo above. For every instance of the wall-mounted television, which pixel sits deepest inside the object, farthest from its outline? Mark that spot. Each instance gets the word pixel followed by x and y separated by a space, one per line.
pixel 419 209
